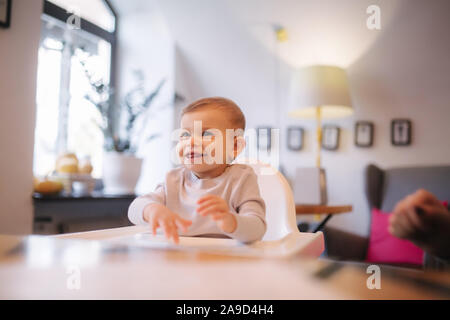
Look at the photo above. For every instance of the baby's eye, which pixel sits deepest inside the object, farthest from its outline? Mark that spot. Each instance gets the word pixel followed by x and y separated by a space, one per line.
pixel 208 134
pixel 185 134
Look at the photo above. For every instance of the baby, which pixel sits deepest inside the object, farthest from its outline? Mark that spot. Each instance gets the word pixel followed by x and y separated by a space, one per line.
pixel 207 195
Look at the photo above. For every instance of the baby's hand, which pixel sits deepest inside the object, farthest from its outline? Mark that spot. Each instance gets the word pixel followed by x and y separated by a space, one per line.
pixel 158 215
pixel 219 211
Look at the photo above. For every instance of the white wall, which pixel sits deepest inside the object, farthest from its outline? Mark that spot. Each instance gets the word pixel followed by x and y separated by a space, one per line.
pixel 18 65
pixel 227 48
pixel 404 74
pixel 146 44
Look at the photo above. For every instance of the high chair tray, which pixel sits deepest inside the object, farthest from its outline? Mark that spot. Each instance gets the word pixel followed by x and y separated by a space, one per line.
pixel 311 244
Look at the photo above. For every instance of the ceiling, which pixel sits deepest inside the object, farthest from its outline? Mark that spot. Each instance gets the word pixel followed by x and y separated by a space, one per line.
pixel 319 31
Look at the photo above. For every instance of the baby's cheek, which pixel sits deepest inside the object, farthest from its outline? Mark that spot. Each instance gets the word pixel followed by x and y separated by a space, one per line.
pixel 216 151
pixel 179 148
pixel 209 149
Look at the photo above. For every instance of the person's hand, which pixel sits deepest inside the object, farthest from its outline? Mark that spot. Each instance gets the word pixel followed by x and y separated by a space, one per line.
pixel 424 220
pixel 158 215
pixel 218 210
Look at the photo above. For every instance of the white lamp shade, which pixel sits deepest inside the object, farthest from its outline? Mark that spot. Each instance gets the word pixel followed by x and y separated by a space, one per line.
pixel 320 86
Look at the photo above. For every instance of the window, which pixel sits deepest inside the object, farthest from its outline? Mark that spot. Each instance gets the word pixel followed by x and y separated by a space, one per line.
pixel 66 120
pixel 97 12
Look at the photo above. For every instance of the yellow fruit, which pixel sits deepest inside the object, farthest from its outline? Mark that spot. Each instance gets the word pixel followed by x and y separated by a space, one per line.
pixel 69 156
pixel 67 163
pixel 68 168
pixel 36 181
pixel 48 187
pixel 85 168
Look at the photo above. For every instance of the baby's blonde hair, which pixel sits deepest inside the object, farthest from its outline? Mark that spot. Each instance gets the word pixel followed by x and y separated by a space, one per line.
pixel 236 116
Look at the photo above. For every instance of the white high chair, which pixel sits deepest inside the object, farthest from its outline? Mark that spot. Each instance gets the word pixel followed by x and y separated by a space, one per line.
pixel 279 199
pixel 280 205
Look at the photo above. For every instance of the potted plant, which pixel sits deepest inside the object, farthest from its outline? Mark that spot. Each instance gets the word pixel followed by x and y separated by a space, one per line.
pixel 121 166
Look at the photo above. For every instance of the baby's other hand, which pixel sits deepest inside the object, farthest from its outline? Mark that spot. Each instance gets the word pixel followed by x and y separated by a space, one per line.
pixel 218 210
pixel 158 215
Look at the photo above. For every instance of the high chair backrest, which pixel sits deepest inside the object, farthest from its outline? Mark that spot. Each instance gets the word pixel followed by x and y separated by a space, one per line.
pixel 278 196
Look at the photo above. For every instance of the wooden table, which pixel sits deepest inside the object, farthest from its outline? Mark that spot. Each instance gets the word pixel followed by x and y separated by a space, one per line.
pixel 301 209
pixel 83 266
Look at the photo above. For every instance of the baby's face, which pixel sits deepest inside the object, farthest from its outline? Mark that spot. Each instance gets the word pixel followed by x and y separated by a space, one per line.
pixel 202 145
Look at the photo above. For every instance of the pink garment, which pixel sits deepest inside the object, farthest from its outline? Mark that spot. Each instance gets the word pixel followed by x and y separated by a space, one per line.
pixel 385 248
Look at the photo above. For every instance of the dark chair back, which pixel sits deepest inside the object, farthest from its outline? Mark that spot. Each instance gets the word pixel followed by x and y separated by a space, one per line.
pixel 384 188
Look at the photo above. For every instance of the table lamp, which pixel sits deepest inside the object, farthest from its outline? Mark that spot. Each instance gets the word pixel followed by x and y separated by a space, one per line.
pixel 319 92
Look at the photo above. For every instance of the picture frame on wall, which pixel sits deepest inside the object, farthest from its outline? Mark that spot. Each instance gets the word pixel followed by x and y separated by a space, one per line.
pixel 401 132
pixel 264 138
pixel 295 138
pixel 330 137
pixel 5 13
pixel 364 131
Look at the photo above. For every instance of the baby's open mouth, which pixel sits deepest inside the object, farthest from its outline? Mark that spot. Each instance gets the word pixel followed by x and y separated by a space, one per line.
pixel 193 155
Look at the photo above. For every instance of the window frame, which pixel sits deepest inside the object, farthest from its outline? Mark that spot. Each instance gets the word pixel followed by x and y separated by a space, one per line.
pixel 61 14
